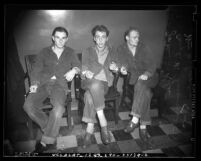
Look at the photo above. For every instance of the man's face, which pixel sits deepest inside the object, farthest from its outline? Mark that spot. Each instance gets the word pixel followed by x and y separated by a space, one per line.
pixel 133 38
pixel 60 38
pixel 100 38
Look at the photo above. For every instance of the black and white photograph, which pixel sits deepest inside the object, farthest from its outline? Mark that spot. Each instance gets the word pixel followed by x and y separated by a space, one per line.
pixel 115 82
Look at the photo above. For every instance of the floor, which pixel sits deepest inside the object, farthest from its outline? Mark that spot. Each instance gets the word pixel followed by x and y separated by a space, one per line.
pixel 170 136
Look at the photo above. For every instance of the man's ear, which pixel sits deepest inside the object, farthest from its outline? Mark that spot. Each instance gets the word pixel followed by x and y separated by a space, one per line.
pixel 127 38
pixel 53 38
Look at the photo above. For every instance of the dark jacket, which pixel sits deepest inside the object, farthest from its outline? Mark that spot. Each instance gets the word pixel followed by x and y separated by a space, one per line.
pixel 142 63
pixel 47 65
pixel 90 62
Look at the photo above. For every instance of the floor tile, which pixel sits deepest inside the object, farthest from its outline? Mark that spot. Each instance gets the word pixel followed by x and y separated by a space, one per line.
pixel 111 148
pixel 169 129
pixel 124 115
pixel 184 128
pixel 181 138
pixel 121 125
pixel 91 149
pixel 25 146
pixel 186 149
pixel 120 135
pixel 66 142
pixel 80 139
pixel 70 150
pixel 155 131
pixel 162 141
pixel 173 152
pixel 158 121
pixel 128 146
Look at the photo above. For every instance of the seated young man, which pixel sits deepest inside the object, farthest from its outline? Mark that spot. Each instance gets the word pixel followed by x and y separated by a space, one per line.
pixel 136 57
pixel 54 65
pixel 97 77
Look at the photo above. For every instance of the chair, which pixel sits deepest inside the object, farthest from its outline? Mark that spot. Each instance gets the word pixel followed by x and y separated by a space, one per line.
pixel 128 92
pixel 29 62
pixel 112 96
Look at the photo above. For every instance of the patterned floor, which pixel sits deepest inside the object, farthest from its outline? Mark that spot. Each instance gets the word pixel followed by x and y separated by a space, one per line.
pixel 170 136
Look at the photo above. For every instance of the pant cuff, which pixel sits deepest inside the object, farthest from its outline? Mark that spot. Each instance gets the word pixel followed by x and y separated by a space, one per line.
pixel 145 122
pixel 134 114
pixel 100 108
pixel 88 120
pixel 48 140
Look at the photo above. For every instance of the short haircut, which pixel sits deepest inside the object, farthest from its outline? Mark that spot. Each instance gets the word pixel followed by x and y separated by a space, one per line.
pixel 130 29
pixel 100 28
pixel 60 29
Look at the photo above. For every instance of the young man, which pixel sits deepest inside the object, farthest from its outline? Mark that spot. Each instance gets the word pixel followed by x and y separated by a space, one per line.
pixel 55 65
pixel 136 58
pixel 97 77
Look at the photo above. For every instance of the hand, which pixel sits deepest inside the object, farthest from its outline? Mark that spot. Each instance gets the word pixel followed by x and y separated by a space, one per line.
pixel 123 70
pixel 143 77
pixel 113 67
pixel 70 75
pixel 33 88
pixel 89 74
pixel 53 77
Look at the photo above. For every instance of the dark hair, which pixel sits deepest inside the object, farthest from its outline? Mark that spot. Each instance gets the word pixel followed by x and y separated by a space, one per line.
pixel 100 28
pixel 60 29
pixel 129 30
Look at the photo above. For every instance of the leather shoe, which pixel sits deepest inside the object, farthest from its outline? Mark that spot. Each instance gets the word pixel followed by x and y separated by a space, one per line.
pixel 144 135
pixel 40 148
pixel 105 135
pixel 131 127
pixel 87 140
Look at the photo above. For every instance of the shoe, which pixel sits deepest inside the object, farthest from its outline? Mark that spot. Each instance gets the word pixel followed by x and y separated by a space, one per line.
pixel 131 127
pixel 87 140
pixel 144 135
pixel 105 135
pixel 40 148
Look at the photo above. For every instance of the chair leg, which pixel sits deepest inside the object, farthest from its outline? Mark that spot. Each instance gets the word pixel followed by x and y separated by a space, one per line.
pixel 116 110
pixel 30 127
pixel 69 115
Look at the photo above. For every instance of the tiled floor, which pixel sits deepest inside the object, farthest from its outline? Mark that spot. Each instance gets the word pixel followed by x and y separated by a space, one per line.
pixel 169 136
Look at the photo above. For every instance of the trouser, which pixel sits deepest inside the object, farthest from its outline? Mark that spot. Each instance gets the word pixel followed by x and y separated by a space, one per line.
pixel 142 99
pixel 94 99
pixel 34 108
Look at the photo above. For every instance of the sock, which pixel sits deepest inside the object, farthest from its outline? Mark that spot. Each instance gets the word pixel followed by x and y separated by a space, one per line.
pixel 43 143
pixel 135 120
pixel 90 128
pixel 102 119
pixel 143 127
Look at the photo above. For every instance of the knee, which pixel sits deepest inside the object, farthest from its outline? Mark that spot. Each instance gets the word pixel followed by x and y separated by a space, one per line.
pixel 28 105
pixel 58 111
pixel 95 86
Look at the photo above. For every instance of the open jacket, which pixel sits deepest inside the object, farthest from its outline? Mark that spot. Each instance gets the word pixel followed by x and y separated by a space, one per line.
pixel 143 62
pixel 48 65
pixel 90 62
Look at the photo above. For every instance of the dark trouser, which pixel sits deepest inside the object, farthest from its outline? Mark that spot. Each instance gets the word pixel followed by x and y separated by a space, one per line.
pixel 93 98
pixel 142 99
pixel 34 104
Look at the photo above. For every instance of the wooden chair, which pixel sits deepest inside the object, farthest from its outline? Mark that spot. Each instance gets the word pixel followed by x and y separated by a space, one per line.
pixel 29 62
pixel 112 96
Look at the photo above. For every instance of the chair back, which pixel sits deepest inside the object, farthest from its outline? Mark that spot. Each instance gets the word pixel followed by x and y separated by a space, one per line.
pixel 29 63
